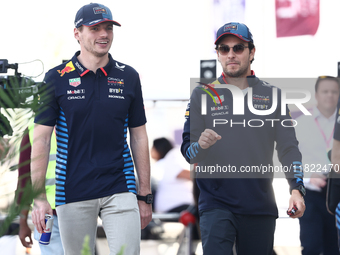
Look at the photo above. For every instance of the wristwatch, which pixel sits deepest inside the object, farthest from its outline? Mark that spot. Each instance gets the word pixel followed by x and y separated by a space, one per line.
pixel 302 190
pixel 147 199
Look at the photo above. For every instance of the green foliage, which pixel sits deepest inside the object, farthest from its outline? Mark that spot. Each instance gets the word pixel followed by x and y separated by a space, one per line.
pixel 86 247
pixel 17 106
pixel 18 101
pixel 14 209
pixel 121 252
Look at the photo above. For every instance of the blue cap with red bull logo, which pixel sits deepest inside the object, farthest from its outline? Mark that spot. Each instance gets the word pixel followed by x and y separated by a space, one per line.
pixel 234 28
pixel 92 14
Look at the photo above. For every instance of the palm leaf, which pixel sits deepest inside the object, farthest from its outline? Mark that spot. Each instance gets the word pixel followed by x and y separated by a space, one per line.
pixel 15 114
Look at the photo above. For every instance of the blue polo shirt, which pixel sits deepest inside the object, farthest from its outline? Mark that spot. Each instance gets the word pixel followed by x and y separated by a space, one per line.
pixel 336 135
pixel 92 112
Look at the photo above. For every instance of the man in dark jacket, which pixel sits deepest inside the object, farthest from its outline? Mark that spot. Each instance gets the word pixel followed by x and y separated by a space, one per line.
pixel 231 137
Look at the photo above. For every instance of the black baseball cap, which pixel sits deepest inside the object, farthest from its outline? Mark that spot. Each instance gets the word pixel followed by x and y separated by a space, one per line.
pixel 234 28
pixel 93 14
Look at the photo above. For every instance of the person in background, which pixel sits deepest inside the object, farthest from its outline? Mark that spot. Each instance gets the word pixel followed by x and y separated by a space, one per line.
pixel 334 197
pixel 24 188
pixel 175 188
pixel 318 233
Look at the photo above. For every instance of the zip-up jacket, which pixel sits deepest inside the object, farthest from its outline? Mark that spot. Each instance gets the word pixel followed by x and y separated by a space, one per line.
pixel 237 171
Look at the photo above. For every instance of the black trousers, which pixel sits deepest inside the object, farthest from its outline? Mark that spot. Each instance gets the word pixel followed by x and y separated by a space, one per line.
pixel 318 234
pixel 220 229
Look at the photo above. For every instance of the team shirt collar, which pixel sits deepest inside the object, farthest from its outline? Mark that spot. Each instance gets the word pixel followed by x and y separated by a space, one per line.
pixel 82 70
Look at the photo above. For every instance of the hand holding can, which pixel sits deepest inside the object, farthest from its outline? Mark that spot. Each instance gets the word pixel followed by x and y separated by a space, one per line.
pixel 45 237
pixel 292 211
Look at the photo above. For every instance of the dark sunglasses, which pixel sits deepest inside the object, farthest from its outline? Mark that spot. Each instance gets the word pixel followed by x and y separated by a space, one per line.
pixel 238 49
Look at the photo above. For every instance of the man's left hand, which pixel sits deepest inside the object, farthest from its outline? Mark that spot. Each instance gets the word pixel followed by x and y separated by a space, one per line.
pixel 297 199
pixel 145 211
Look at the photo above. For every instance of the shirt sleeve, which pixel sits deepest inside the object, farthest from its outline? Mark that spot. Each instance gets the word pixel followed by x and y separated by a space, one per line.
pixel 136 111
pixel 48 108
pixel 287 148
pixel 193 127
pixel 336 135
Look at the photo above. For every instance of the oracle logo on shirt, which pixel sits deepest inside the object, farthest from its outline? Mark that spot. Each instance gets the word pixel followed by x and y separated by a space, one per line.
pixel 115 81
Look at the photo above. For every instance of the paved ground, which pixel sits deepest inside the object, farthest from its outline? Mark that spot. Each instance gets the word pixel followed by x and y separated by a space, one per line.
pixel 286 242
pixel 286 235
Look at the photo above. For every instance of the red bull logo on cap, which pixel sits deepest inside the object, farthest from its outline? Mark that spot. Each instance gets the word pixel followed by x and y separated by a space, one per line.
pixel 99 10
pixel 230 27
pixel 67 69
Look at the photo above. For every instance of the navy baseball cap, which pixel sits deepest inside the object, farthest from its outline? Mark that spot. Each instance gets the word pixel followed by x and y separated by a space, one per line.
pixel 234 28
pixel 93 14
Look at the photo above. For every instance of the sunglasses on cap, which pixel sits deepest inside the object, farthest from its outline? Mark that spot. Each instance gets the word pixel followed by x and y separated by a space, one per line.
pixel 238 49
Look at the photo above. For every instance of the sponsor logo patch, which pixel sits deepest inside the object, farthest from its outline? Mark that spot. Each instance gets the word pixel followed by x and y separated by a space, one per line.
pixel 117 97
pixel 76 91
pixel 261 99
pixel 99 10
pixel 230 27
pixel 75 97
pixel 115 81
pixel 116 91
pixel 80 67
pixel 120 67
pixel 75 82
pixel 76 24
pixel 217 99
pixel 67 69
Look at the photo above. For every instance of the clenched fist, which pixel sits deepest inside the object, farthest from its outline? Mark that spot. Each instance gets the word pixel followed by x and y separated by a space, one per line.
pixel 208 138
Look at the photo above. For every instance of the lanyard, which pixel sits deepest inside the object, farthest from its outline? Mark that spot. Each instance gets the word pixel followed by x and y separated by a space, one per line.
pixel 327 141
pixel 223 77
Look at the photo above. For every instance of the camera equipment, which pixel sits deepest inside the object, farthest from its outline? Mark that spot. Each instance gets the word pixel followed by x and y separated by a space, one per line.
pixel 16 91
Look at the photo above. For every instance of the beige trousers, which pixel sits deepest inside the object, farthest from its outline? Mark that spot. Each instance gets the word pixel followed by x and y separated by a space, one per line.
pixel 121 222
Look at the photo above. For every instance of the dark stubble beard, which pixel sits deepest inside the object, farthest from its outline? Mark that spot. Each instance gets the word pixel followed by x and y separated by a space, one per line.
pixel 238 73
pixel 97 54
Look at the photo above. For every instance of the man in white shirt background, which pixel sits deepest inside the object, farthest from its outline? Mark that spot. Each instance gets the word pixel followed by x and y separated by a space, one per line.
pixel 318 233
pixel 174 184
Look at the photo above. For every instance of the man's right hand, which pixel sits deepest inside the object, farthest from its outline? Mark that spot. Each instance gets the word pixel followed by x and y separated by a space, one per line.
pixel 25 231
pixel 40 208
pixel 208 138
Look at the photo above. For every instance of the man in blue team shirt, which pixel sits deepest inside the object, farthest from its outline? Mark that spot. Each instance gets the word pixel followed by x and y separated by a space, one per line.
pixel 93 101
pixel 236 206
pixel 333 199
